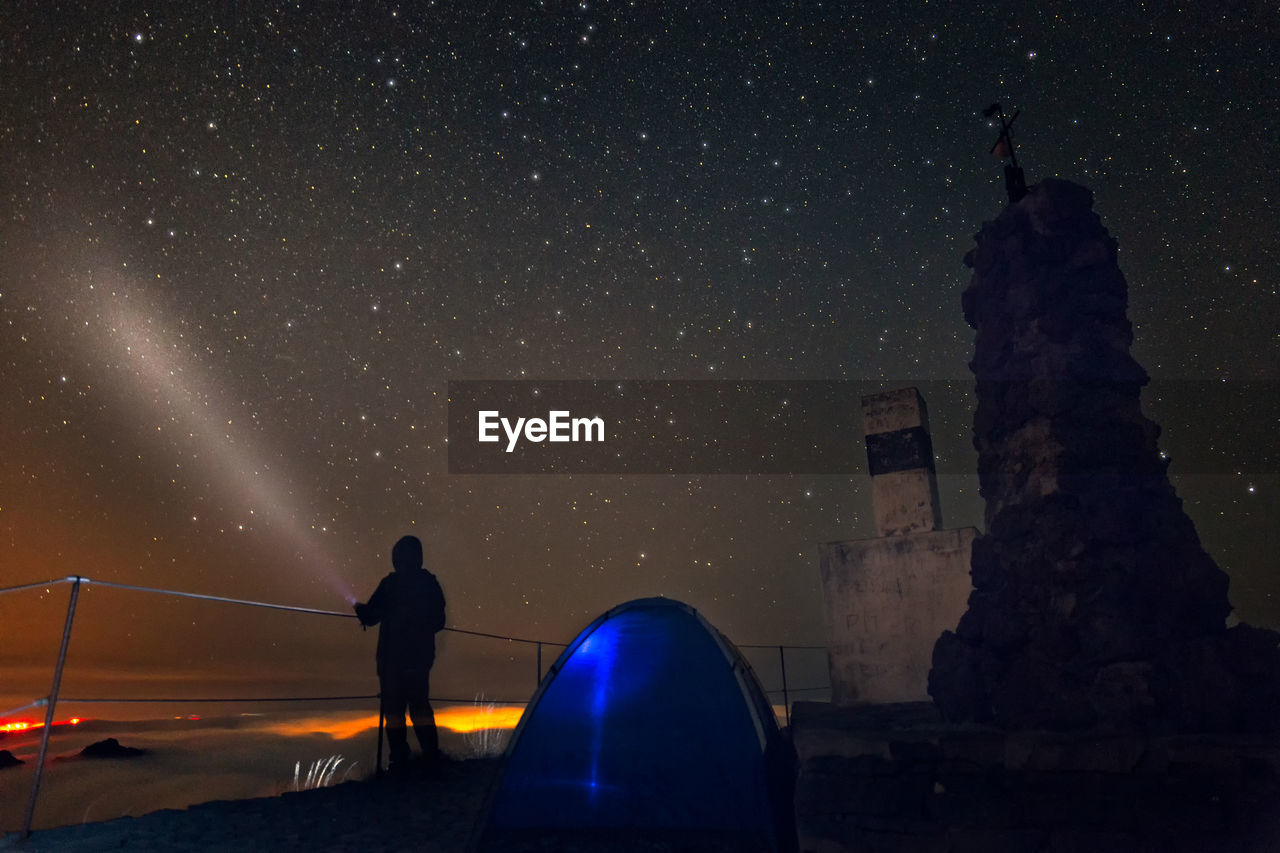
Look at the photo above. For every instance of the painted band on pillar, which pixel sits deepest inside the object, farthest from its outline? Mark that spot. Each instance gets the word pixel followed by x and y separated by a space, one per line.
pixel 899 450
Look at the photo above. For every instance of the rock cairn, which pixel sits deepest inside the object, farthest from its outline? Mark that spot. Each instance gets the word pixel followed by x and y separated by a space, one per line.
pixel 1094 605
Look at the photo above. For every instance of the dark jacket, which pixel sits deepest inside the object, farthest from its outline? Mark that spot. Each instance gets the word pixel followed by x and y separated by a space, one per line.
pixel 410 605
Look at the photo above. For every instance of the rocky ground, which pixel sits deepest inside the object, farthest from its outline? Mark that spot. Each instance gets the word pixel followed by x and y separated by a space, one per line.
pixel 430 813
pixel 433 812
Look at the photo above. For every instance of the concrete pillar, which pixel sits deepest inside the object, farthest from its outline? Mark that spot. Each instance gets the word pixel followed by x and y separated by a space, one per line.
pixel 887 600
pixel 904 487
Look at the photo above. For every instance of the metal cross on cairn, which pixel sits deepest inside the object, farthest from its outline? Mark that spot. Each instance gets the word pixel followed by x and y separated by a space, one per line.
pixel 1015 182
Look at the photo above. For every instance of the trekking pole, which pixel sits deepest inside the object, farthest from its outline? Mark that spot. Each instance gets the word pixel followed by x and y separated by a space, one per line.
pixel 786 701
pixel 378 763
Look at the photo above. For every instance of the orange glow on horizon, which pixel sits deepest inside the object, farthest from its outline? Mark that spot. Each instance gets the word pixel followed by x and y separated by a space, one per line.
pixel 459 719
pixel 473 718
pixel 28 725
pixel 338 728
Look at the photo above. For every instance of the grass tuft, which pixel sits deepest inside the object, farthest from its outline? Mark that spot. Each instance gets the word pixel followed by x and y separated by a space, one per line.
pixel 320 774
pixel 486 742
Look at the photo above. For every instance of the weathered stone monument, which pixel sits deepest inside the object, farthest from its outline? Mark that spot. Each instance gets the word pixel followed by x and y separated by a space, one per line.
pixel 887 599
pixel 1091 696
pixel 1094 606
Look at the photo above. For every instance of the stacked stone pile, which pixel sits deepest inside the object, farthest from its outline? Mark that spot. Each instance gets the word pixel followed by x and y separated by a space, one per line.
pixel 1094 604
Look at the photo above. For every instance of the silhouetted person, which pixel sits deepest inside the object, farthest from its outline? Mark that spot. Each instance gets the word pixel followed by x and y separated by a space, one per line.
pixel 410 605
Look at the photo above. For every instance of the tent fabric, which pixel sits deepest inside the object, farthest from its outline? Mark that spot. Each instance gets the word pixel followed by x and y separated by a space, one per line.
pixel 649 720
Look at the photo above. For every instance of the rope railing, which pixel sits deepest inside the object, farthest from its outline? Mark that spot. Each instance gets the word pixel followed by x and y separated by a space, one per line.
pixel 38 703
pixel 195 700
pixel 247 602
pixel 21 587
pixel 169 700
pixel 222 598
pixel 510 639
pixel 201 700
pixel 49 702
pixel 775 645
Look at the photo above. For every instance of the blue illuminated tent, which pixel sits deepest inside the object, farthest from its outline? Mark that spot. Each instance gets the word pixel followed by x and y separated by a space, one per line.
pixel 651 722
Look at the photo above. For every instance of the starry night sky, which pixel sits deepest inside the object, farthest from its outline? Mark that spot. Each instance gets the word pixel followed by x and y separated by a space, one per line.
pixel 245 248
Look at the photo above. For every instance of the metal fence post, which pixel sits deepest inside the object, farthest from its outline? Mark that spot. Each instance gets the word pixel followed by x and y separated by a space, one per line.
pixel 786 705
pixel 53 702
